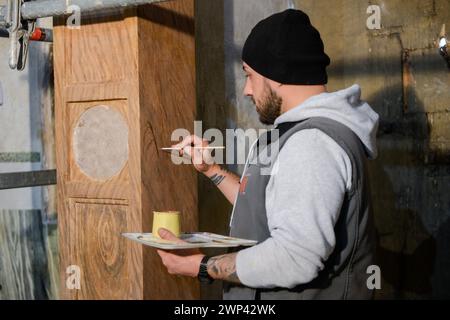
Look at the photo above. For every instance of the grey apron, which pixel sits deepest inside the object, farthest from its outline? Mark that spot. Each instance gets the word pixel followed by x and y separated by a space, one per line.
pixel 344 275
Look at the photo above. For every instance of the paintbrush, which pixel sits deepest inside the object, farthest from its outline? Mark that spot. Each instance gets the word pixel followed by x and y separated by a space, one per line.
pixel 202 148
pixel 171 150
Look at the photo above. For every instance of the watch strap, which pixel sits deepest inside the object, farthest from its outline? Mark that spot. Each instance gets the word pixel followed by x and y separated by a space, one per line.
pixel 203 274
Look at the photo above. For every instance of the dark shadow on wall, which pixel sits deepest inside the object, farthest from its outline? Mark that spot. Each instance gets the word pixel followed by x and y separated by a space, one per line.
pixel 214 210
pixel 441 279
pixel 412 256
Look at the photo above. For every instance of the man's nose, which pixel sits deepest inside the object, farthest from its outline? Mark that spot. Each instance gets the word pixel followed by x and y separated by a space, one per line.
pixel 248 90
pixel 248 94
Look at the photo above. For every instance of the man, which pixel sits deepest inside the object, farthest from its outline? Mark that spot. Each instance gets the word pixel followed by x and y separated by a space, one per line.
pixel 312 215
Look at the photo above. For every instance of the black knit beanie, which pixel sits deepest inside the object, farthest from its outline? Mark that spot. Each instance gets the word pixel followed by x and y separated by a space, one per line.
pixel 286 48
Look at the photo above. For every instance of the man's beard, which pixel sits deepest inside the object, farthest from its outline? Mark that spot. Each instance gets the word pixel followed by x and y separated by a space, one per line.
pixel 270 108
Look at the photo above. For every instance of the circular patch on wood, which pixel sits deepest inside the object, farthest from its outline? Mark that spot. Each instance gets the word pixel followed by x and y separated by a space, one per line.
pixel 100 142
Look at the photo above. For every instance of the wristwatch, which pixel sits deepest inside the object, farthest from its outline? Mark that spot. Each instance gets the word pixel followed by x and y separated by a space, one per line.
pixel 203 275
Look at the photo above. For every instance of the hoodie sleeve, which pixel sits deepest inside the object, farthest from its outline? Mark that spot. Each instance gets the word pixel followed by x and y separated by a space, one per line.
pixel 303 201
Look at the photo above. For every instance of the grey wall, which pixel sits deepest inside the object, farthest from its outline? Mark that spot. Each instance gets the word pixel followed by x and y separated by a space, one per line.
pixel 404 79
pixel 28 238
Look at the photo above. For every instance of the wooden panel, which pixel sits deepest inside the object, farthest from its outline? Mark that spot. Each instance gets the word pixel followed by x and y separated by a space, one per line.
pixel 98 247
pixel 127 62
pixel 98 34
pixel 167 92
pixel 89 73
pixel 114 90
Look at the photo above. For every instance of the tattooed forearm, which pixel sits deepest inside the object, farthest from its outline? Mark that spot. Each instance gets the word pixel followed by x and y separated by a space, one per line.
pixel 224 268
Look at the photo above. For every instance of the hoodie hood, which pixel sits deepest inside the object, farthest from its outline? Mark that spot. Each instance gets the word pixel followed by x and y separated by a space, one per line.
pixel 344 106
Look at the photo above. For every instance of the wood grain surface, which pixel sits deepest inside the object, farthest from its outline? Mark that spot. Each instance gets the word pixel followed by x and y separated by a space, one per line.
pixel 142 63
pixel 23 263
pixel 167 50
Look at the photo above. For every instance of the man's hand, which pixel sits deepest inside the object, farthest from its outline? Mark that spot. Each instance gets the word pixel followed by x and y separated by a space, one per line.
pixel 187 262
pixel 227 182
pixel 201 158
pixel 180 262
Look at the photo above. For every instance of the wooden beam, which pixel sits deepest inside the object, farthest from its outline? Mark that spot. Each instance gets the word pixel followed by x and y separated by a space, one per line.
pixel 122 84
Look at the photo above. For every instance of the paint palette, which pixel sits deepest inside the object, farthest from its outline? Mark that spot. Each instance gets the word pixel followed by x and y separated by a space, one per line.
pixel 190 241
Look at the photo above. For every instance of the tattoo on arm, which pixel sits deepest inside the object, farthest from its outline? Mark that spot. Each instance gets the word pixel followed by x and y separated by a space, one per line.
pixel 217 179
pixel 224 268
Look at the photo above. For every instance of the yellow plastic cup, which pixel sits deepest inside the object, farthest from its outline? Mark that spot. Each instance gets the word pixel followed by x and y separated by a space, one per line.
pixel 169 220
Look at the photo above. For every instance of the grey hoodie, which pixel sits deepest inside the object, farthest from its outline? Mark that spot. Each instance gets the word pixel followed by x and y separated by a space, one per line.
pixel 304 196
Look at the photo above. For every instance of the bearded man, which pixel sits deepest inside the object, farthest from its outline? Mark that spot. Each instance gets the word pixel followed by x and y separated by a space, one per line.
pixel 311 215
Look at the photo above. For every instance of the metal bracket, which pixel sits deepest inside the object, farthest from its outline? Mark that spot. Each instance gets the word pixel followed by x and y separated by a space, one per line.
pixel 27 179
pixel 19 34
pixel 18 17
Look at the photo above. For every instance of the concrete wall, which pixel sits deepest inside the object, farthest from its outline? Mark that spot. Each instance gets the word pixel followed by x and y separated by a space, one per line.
pixel 404 79
pixel 407 82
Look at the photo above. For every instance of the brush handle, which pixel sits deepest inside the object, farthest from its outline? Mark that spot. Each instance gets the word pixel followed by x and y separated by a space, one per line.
pixel 204 148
